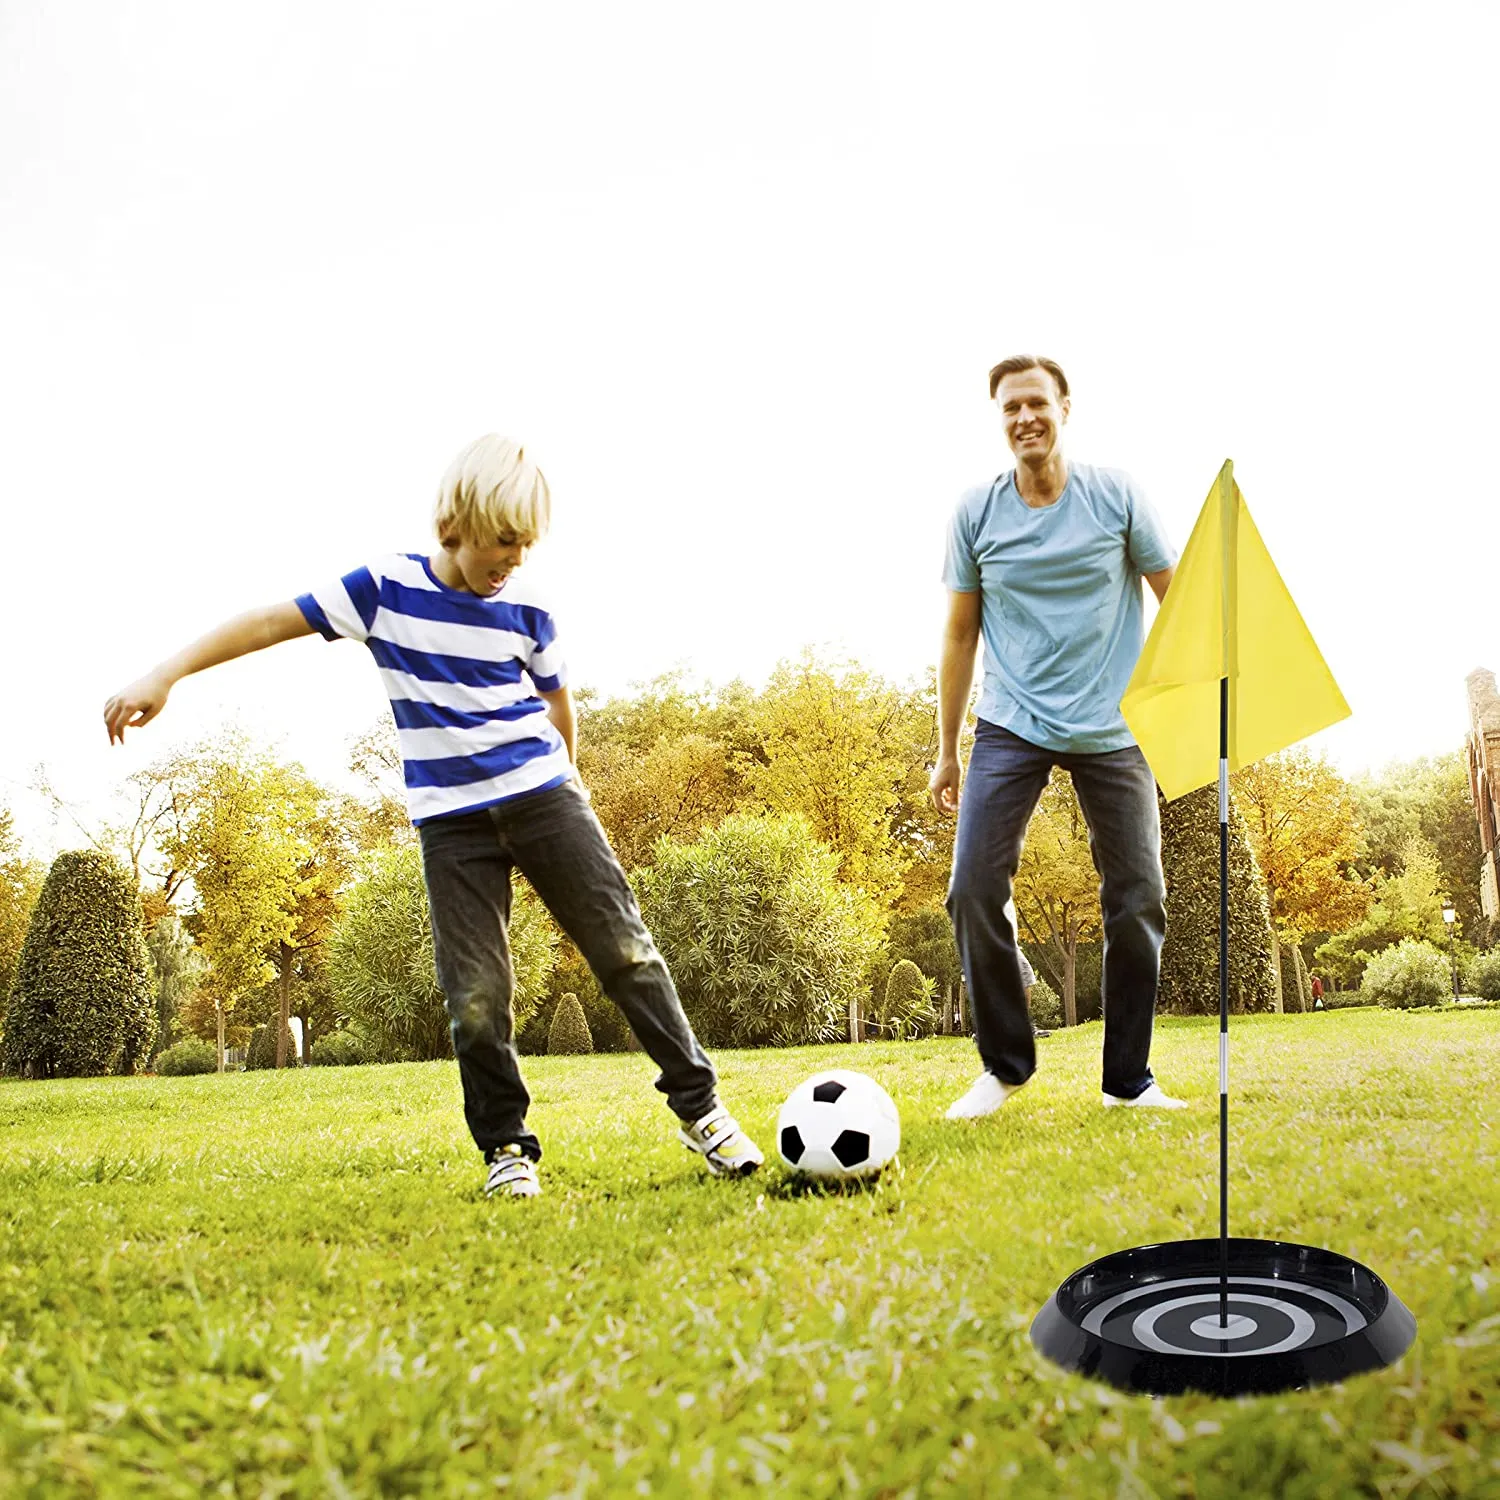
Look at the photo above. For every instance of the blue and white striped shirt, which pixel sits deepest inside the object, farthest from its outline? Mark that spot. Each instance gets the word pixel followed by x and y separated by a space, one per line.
pixel 472 729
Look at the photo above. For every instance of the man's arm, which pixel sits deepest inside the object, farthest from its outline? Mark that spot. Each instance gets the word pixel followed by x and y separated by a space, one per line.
pixel 564 720
pixel 955 678
pixel 252 631
pixel 1159 582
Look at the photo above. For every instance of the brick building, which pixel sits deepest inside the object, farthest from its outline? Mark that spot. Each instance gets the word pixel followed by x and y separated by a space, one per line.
pixel 1484 781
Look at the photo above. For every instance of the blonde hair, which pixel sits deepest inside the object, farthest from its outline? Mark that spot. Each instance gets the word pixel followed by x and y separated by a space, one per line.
pixel 490 488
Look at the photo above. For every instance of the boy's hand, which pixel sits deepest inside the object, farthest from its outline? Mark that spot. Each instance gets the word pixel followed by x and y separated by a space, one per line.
pixel 136 705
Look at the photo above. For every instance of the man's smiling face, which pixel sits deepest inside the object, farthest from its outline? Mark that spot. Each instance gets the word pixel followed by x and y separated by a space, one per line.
pixel 1033 414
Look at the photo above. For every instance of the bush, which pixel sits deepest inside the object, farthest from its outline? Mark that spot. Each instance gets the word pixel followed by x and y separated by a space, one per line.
pixel 572 975
pixel 191 1055
pixel 907 1008
pixel 1345 999
pixel 1412 973
pixel 82 1005
pixel 262 1049
pixel 1046 1007
pixel 764 943
pixel 925 936
pixel 380 963
pixel 340 1049
pixel 1484 975
pixel 570 1032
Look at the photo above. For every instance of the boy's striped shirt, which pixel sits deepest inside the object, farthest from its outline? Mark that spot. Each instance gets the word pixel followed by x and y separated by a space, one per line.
pixel 455 666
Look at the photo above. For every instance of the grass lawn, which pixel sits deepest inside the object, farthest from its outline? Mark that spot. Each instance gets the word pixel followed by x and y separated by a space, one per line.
pixel 289 1284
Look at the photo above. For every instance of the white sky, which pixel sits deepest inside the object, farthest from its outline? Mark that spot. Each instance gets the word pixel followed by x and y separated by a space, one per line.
pixel 735 275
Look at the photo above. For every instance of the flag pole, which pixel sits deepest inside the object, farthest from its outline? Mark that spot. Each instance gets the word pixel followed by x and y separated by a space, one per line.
pixel 1228 516
pixel 1224 1004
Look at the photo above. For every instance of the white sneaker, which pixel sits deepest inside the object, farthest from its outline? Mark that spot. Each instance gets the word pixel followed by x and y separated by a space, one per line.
pixel 512 1174
pixel 985 1096
pixel 1153 1098
pixel 718 1139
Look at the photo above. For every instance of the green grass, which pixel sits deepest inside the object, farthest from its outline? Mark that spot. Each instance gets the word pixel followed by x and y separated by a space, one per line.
pixel 289 1284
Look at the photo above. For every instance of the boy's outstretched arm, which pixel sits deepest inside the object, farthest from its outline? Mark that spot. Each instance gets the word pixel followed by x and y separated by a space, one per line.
pixel 252 631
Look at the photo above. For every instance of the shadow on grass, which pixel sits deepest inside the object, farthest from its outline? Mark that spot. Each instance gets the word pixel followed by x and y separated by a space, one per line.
pixel 795 1185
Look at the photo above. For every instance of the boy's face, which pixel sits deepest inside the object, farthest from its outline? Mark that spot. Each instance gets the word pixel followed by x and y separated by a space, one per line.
pixel 485 569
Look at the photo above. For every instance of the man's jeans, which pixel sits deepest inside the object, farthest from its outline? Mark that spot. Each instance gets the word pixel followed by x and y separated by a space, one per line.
pixel 1118 795
pixel 555 840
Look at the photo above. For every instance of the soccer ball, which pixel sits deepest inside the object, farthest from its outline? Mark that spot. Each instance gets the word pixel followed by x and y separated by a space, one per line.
pixel 838 1124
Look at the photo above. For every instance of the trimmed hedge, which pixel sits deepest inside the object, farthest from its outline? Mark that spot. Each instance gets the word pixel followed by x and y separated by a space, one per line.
pixel 340 1049
pixel 570 1030
pixel 1190 955
pixel 1046 1007
pixel 83 1003
pixel 907 1008
pixel 191 1055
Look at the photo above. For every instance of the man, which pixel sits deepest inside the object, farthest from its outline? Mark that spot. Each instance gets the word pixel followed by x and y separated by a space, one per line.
pixel 1045 563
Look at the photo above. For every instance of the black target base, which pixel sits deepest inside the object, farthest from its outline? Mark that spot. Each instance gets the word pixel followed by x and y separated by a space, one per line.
pixel 1147 1319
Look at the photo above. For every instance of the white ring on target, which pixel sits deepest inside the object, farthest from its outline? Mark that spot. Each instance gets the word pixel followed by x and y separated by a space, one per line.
pixel 1303 1326
pixel 1240 1327
pixel 1354 1317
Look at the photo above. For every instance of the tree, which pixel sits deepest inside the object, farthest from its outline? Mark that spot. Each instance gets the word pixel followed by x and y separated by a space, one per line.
pixel 324 866
pixel 20 884
pixel 176 968
pixel 1407 905
pixel 1189 982
pixel 765 944
pixel 923 834
pixel 1427 798
pixel 1057 887
pixel 675 788
pixel 830 751
pixel 382 817
pixel 82 1002
pixel 151 810
pixel 1303 826
pixel 245 843
pixel 380 959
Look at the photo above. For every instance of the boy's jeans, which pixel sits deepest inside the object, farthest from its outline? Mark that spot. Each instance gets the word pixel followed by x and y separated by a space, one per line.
pixel 1117 793
pixel 555 840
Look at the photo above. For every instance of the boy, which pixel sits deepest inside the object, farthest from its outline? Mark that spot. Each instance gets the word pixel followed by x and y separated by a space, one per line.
pixel 488 760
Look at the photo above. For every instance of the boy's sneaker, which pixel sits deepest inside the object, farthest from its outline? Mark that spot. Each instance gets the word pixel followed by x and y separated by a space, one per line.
pixel 512 1174
pixel 718 1139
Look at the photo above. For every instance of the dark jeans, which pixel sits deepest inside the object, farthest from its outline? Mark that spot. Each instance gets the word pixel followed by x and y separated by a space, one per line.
pixel 555 840
pixel 1118 795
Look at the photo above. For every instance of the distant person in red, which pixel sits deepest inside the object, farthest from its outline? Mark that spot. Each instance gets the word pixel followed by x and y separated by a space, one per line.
pixel 1317 990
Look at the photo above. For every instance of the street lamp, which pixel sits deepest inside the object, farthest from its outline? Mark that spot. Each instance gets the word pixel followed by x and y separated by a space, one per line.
pixel 1450 919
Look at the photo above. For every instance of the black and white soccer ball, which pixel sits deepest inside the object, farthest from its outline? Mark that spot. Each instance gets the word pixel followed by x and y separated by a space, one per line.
pixel 838 1125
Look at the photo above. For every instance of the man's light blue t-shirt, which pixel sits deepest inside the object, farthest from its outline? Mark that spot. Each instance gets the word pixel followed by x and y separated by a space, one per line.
pixel 1062 602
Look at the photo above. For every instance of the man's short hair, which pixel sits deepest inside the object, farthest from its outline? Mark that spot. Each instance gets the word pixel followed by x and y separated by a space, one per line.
pixel 490 488
pixel 1018 362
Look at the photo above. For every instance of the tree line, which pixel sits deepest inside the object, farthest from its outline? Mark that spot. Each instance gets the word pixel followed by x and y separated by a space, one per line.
pixel 786 854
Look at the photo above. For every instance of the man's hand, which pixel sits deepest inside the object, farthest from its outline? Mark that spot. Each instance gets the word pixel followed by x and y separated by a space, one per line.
pixel 136 705
pixel 944 784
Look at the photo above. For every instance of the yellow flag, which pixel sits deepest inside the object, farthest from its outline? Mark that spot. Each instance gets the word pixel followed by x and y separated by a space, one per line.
pixel 1227 614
